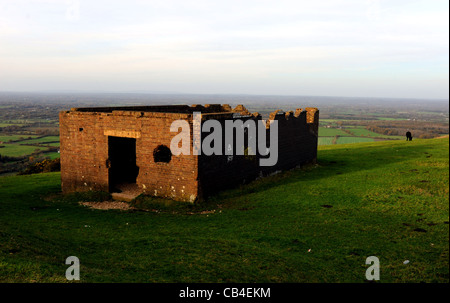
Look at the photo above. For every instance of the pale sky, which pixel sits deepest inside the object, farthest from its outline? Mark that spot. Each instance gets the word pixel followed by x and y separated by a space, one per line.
pixel 355 48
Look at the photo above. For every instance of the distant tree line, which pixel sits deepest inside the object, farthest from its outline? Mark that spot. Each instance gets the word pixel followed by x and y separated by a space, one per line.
pixel 419 129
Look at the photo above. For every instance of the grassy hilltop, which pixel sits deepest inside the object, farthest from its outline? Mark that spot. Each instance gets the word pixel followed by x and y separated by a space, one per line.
pixel 386 199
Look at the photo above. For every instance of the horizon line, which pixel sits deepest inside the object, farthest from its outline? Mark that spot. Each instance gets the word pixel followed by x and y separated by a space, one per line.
pixel 209 94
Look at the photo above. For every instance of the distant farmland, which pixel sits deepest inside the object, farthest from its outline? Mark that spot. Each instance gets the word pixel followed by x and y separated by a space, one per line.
pixel 42 140
pixel 367 133
pixel 21 145
pixel 7 138
pixel 344 134
pixel 16 150
pixel 331 132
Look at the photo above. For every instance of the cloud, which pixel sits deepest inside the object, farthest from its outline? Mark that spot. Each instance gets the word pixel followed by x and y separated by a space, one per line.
pixel 73 10
pixel 219 42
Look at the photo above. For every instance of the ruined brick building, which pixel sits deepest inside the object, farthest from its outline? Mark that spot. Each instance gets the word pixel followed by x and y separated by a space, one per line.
pixel 104 147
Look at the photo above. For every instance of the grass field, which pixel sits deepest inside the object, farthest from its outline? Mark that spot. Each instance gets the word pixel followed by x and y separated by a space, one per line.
pixel 331 132
pixel 343 140
pixel 391 119
pixel 362 132
pixel 6 138
pixel 325 140
pixel 56 144
pixel 52 155
pixel 365 132
pixel 16 150
pixel 347 140
pixel 9 124
pixel 386 199
pixel 42 140
pixel 356 134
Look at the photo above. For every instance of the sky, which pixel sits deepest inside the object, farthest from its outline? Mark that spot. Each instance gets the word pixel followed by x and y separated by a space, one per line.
pixel 354 48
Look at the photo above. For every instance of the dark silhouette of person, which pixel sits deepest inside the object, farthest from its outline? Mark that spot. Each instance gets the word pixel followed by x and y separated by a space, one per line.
pixel 408 136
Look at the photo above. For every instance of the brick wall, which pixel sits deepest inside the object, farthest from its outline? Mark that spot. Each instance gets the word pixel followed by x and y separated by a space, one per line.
pixel 84 152
pixel 84 149
pixel 297 146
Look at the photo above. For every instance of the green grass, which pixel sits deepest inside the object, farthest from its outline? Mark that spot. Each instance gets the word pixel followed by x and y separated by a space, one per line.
pixel 11 124
pixel 6 138
pixel 347 140
pixel 328 122
pixel 325 140
pixel 365 132
pixel 391 119
pixel 344 140
pixel 331 132
pixel 362 132
pixel 28 121
pixel 16 150
pixel 42 140
pixel 377 194
pixel 56 144
pixel 52 156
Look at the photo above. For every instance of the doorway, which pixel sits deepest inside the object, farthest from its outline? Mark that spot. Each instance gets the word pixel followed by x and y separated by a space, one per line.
pixel 122 162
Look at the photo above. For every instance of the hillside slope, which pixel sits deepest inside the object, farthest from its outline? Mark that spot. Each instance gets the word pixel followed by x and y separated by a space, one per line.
pixel 319 224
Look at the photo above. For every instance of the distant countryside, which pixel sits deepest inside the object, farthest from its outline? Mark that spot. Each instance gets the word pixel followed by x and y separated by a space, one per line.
pixel 29 128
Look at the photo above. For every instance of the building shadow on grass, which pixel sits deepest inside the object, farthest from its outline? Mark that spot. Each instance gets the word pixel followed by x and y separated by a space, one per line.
pixel 338 161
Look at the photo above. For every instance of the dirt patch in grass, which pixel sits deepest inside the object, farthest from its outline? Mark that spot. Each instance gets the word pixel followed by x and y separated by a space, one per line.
pixel 108 205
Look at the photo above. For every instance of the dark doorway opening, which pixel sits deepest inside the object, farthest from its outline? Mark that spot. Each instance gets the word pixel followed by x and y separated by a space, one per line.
pixel 122 162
